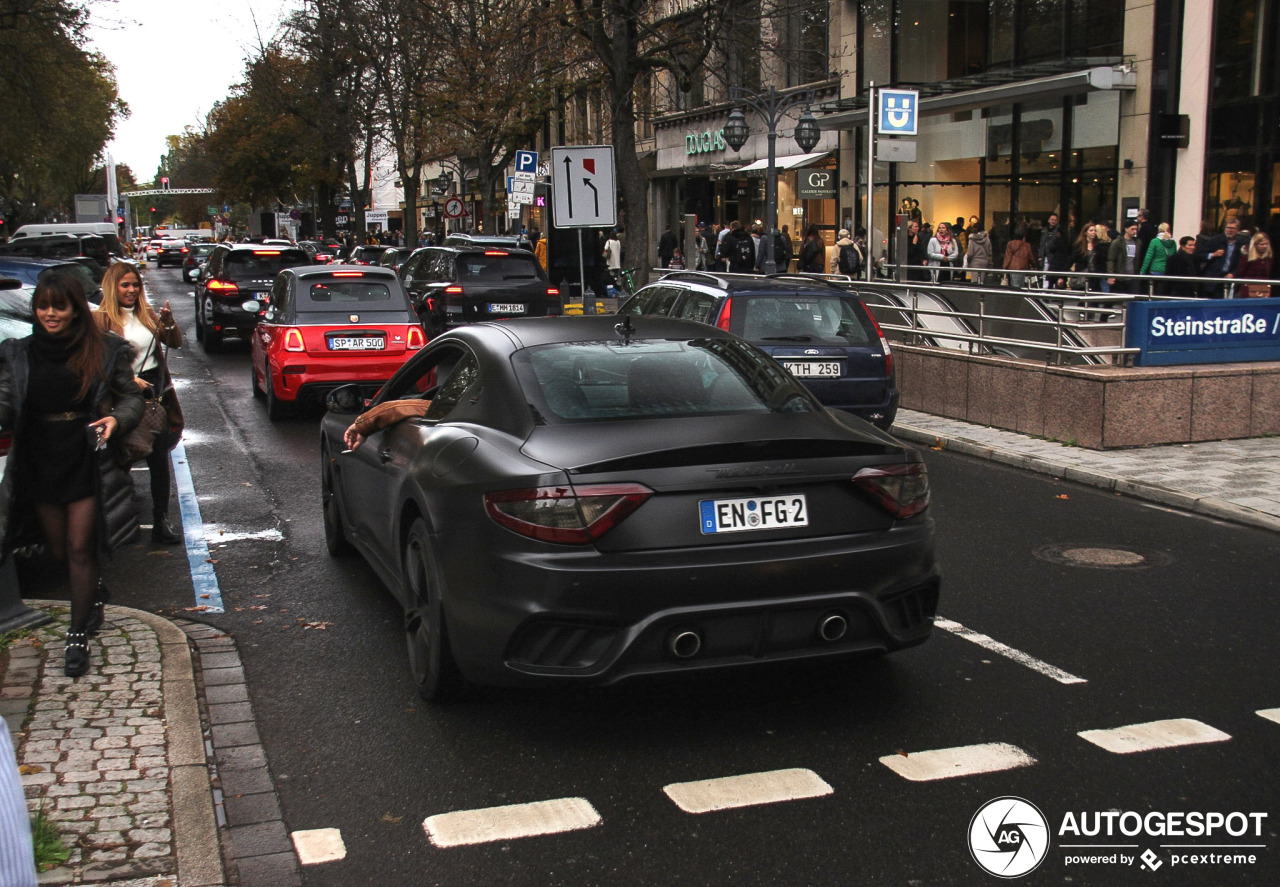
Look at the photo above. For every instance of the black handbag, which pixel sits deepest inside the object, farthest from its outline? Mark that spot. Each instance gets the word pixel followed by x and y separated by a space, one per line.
pixel 139 443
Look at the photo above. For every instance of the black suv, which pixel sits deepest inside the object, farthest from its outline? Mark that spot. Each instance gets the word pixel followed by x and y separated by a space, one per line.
pixel 232 289
pixel 822 333
pixel 454 285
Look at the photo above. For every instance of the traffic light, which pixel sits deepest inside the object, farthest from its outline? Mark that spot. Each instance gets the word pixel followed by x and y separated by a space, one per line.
pixel 164 182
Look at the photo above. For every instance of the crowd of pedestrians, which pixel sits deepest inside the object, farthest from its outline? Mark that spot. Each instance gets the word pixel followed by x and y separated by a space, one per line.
pixel 1140 258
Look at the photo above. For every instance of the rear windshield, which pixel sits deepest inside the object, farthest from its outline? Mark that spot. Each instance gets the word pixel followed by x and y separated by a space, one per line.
pixel 369 253
pixel 595 381
pixel 262 264
pixel 821 320
pixel 201 249
pixel 496 267
pixel 348 292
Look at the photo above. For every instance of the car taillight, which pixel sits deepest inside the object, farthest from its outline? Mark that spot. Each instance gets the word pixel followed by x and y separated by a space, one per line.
pixel 723 322
pixel 222 287
pixel 902 490
pixel 552 291
pixel 348 274
pixel 6 441
pixel 266 252
pixel 185 250
pixel 566 515
pixel 884 343
pixel 293 340
pixel 417 338
pixel 495 252
pixel 453 290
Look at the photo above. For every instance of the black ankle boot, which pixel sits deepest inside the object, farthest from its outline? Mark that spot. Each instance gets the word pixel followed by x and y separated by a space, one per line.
pixel 97 616
pixel 77 656
pixel 161 532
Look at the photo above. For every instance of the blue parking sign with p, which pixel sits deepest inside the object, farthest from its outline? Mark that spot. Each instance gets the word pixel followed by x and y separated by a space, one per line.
pixel 899 111
pixel 527 161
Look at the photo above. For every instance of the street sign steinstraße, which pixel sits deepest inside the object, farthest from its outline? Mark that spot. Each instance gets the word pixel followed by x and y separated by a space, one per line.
pixel 583 189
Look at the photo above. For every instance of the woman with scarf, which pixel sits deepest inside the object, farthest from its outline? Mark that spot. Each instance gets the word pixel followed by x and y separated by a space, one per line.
pixel 126 312
pixel 943 252
pixel 65 391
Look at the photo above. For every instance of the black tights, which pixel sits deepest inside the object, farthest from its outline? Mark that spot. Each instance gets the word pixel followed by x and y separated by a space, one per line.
pixel 72 533
pixel 158 468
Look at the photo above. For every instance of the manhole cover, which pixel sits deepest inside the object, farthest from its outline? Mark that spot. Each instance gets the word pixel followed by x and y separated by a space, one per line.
pixel 1102 557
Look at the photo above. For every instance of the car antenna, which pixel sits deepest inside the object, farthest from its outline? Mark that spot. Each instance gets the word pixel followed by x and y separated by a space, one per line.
pixel 625 329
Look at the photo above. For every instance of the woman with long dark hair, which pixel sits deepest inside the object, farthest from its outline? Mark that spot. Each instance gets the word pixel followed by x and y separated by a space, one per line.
pixel 126 312
pixel 65 391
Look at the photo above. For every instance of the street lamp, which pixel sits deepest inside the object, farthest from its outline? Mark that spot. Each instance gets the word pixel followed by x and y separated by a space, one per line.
pixel 443 181
pixel 772 106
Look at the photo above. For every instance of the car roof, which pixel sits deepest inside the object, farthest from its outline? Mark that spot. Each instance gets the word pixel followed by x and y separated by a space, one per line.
pixel 528 332
pixel 745 284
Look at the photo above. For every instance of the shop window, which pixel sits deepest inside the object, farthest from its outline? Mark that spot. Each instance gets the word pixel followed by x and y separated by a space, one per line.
pixel 805 25
pixel 922 41
pixel 1230 195
pixel 966 37
pixel 1236 59
pixel 742 45
pixel 1096 28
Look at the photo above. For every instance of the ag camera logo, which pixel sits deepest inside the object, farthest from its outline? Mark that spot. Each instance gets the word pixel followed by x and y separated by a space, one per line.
pixel 1008 837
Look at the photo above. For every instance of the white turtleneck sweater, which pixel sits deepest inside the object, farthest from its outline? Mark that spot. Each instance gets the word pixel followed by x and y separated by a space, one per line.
pixel 142 340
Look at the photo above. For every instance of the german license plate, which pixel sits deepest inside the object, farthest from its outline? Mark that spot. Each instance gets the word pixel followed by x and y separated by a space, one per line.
pixel 813 369
pixel 505 308
pixel 357 343
pixel 759 513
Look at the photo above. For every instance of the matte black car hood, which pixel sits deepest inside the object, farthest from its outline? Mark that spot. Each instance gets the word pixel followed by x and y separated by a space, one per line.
pixel 753 437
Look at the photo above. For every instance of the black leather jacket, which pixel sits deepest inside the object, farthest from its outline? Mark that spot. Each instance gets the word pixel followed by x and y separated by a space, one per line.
pixel 116 395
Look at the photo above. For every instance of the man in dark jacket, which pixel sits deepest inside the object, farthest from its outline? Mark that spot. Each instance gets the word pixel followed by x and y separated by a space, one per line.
pixel 1146 231
pixel 1055 252
pixel 1220 256
pixel 740 249
pixel 1183 264
pixel 667 244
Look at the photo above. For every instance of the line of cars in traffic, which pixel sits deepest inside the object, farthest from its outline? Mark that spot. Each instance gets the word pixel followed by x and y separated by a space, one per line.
pixel 686 485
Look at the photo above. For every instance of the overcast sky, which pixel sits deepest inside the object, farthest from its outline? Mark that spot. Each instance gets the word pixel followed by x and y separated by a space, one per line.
pixel 174 59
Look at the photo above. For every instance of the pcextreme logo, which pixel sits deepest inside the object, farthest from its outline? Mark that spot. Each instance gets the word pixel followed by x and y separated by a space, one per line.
pixel 1008 837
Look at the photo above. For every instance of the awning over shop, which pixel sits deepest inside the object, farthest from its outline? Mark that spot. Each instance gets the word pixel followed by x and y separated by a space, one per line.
pixel 791 161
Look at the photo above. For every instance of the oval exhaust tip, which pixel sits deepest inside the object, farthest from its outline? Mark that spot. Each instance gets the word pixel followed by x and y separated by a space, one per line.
pixel 683 644
pixel 833 627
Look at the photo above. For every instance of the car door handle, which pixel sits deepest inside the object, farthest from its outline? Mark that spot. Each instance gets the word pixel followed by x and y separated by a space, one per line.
pixel 384 455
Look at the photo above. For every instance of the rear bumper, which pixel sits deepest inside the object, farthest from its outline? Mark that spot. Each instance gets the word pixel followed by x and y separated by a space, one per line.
pixel 312 380
pixel 585 617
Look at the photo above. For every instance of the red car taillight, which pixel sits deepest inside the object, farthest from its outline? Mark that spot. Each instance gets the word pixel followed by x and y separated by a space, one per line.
pixel 417 338
pixel 884 343
pixel 567 515
pixel 725 313
pixel 293 340
pixel 902 490
pixel 6 441
pixel 222 287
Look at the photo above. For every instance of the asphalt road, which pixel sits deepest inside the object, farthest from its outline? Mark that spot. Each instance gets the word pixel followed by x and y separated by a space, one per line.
pixel 1113 613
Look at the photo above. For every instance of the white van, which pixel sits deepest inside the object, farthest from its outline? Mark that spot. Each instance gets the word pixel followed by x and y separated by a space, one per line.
pixel 105 230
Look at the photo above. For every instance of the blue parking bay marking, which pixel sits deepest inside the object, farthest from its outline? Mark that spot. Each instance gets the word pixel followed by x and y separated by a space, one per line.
pixel 208 594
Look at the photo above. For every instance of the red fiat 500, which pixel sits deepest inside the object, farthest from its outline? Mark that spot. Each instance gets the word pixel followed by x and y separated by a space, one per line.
pixel 328 326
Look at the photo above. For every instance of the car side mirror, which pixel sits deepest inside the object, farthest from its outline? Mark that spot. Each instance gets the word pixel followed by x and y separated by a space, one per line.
pixel 344 399
pixel 195 273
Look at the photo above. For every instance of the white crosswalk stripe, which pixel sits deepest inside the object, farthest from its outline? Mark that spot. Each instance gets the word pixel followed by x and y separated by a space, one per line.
pixel 1271 714
pixel 1154 735
pixel 512 821
pixel 746 790
pixel 948 763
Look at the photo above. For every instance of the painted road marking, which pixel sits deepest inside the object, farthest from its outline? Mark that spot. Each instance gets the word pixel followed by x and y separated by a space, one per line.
pixel 747 790
pixel 218 536
pixel 1031 662
pixel 1153 735
pixel 319 845
pixel 513 821
pixel 208 594
pixel 1271 714
pixel 966 760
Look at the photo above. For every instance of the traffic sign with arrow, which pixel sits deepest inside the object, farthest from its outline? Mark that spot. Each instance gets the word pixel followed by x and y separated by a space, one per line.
pixel 583 189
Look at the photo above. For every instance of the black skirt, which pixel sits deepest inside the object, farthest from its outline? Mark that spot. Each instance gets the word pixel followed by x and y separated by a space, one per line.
pixel 55 447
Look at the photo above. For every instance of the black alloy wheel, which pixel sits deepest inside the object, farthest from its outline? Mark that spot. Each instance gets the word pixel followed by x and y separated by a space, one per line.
pixel 335 539
pixel 430 659
pixel 276 409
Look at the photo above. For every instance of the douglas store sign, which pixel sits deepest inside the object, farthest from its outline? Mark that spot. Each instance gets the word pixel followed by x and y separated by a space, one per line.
pixel 1209 331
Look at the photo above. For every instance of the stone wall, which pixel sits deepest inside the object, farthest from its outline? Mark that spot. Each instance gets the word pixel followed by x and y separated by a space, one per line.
pixel 1097 407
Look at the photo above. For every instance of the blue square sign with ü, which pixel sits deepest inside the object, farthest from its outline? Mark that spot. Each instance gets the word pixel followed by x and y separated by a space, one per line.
pixel 898 111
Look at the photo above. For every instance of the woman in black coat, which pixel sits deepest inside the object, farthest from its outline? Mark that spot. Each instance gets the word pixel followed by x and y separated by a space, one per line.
pixel 65 391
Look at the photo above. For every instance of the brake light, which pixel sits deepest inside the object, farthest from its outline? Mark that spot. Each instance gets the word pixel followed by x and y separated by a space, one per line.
pixel 453 290
pixel 222 287
pixel 725 313
pixel 884 343
pixel 348 274
pixel 266 252
pixel 6 441
pixel 565 515
pixel 552 291
pixel 293 340
pixel 496 252
pixel 417 338
pixel 902 490
pixel 185 250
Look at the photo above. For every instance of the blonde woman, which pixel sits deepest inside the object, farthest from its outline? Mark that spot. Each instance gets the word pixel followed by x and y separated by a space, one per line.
pixel 1258 264
pixel 126 312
